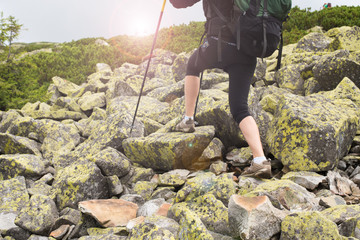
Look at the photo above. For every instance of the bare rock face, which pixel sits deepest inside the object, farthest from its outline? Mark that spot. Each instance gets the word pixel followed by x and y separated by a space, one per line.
pixel 110 212
pixel 254 217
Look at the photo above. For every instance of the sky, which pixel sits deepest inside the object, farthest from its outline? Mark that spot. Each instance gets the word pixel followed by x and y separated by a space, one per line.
pixel 67 20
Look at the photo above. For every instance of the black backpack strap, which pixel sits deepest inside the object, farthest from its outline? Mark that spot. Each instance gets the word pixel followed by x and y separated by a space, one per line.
pixel 278 65
pixel 265 15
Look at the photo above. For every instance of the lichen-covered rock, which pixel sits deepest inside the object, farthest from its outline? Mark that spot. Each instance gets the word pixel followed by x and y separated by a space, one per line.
pixel 211 154
pixel 39 215
pixel 330 70
pixel 339 214
pixel 7 119
pixel 114 130
pixel 254 217
pixel 286 194
pixel 118 87
pixel 174 178
pixel 144 189
pixel 10 144
pixel 346 37
pixel 351 227
pixel 78 182
pixel 7 222
pixel 89 101
pixel 114 184
pixel 148 230
pixel 311 133
pixel 168 93
pixel 308 180
pixel 65 87
pixel 149 107
pixel 13 194
pixel 191 226
pixel 167 151
pixel 212 212
pixel 59 115
pixel 289 77
pixel 226 128
pixel 222 187
pixel 346 89
pixel 179 66
pixel 27 165
pixel 314 42
pixel 308 225
pixel 59 139
pixel 112 162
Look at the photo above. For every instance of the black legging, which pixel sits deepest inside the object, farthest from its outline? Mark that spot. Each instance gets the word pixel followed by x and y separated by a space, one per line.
pixel 239 66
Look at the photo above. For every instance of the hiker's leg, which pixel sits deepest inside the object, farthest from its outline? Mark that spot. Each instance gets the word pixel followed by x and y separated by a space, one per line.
pixel 191 89
pixel 203 58
pixel 240 76
pixel 251 133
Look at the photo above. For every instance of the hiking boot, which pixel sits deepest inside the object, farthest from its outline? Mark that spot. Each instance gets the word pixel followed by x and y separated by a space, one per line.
pixel 262 170
pixel 185 126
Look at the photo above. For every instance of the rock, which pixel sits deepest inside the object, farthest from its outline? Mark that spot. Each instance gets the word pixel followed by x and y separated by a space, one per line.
pixel 351 227
pixel 101 42
pixel 170 150
pixel 308 180
pixel 10 144
pixel 239 157
pixel 150 231
pixel 308 225
pixel 289 77
pixel 78 182
pixel 7 221
pixel 315 115
pixel 89 101
pixel 226 128
pixel 314 42
pixel 110 212
pixel 64 87
pixel 58 115
pixel 211 211
pixel 341 185
pixel 346 37
pixel 7 119
pixel 340 213
pixel 13 195
pixel 222 186
pixel 211 153
pixel 59 139
pixel 286 194
pixel 29 166
pixel 179 66
pixel 335 68
pixel 254 217
pixel 191 226
pixel 115 186
pixel 38 216
pixel 151 207
pixel 174 178
pixel 218 167
pixel 113 131
pixel 112 162
pixel 331 201
pixel 144 189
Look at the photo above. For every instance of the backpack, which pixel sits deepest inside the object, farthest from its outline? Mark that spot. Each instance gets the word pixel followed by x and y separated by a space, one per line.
pixel 256 25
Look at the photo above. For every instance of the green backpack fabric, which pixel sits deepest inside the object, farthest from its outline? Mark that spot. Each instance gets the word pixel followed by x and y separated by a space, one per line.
pixel 276 8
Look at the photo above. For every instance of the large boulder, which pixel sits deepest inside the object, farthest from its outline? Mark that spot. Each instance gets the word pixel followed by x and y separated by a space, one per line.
pixel 166 151
pixel 254 217
pixel 10 144
pixel 308 225
pixel 39 216
pixel 312 133
pixel 346 37
pixel 27 165
pixel 79 182
pixel 331 69
pixel 13 195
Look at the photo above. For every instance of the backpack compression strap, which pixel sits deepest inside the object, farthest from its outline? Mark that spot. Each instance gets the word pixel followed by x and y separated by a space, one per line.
pixel 265 15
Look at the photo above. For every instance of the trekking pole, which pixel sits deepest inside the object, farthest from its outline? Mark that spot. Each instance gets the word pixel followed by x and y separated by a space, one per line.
pixel 148 64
